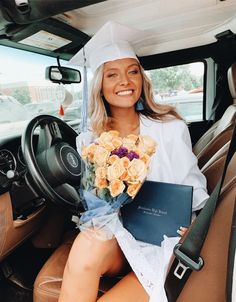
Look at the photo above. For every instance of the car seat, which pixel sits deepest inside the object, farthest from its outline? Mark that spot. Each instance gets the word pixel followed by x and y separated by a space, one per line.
pixel 214 168
pixel 220 133
pixel 210 283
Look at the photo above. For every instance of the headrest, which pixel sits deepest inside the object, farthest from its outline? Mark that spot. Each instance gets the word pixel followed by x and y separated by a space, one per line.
pixel 232 80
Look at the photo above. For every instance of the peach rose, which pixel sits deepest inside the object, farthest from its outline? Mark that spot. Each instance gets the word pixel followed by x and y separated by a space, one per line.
pixel 138 151
pixel 112 159
pixel 125 176
pixel 84 152
pixel 125 161
pixel 137 170
pixel 132 137
pixel 117 142
pixel 147 144
pixel 108 146
pixel 101 172
pixel 116 187
pixel 106 138
pixel 133 189
pixel 115 170
pixel 146 159
pixel 100 183
pixel 89 151
pixel 129 141
pixel 100 156
pixel 114 133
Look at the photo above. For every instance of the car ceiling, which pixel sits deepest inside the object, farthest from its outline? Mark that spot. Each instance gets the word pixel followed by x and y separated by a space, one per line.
pixel 170 25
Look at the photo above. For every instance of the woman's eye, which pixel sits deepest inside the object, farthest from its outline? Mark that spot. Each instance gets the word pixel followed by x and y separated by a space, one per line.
pixel 111 75
pixel 134 71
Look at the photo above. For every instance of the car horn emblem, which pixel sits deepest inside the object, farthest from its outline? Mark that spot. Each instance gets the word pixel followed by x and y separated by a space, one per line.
pixel 72 160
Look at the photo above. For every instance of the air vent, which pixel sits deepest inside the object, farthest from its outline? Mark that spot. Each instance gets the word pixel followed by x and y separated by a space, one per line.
pixel 23 6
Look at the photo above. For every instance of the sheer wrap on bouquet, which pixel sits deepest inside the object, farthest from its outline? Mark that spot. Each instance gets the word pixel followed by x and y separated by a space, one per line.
pixel 102 217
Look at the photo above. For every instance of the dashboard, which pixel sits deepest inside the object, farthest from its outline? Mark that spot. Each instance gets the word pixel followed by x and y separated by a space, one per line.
pixel 15 179
pixel 12 164
pixel 22 210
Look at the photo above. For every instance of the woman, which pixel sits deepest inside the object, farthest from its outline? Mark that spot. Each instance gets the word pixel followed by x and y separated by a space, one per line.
pixel 121 99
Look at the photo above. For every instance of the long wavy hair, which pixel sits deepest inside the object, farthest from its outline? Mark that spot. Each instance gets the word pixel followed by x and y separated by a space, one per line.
pixel 99 112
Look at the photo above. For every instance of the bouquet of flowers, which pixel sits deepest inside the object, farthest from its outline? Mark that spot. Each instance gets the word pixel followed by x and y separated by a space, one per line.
pixel 115 169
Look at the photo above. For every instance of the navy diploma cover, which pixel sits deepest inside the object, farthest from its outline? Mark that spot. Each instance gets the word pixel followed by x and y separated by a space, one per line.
pixel 158 209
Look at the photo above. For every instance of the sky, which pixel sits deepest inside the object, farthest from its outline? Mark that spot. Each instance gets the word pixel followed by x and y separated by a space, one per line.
pixel 197 68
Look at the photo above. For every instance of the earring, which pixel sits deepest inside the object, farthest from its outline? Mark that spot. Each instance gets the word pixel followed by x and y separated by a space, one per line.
pixel 139 105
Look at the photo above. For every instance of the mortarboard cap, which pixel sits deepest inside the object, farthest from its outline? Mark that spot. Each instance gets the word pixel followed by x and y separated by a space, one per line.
pixel 113 41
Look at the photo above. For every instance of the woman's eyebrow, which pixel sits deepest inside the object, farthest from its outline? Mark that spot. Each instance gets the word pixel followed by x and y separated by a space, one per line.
pixel 134 64
pixel 110 69
pixel 116 68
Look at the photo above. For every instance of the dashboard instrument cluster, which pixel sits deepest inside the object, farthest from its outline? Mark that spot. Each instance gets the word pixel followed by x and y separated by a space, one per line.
pixel 7 162
pixel 12 164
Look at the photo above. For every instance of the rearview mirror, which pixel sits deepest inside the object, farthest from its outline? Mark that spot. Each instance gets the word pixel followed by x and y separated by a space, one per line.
pixel 63 75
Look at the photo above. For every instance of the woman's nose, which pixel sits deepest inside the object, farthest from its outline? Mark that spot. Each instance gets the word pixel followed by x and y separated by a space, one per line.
pixel 124 79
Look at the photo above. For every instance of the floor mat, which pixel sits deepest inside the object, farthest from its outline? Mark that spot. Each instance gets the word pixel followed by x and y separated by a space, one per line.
pixel 10 292
pixel 23 266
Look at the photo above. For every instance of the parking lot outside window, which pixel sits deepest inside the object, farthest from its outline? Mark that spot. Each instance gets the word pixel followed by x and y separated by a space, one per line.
pixel 180 86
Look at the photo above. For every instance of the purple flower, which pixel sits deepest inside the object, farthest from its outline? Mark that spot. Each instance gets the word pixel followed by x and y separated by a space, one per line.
pixel 131 155
pixel 121 152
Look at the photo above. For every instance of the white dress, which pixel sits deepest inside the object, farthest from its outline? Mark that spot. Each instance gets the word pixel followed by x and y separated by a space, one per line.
pixel 173 162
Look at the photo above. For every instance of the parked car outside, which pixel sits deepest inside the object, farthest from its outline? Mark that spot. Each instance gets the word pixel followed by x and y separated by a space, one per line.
pixel 34 109
pixel 189 105
pixel 8 115
pixel 73 111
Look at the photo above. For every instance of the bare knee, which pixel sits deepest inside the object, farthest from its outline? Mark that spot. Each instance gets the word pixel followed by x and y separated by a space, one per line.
pixel 91 254
pixel 129 289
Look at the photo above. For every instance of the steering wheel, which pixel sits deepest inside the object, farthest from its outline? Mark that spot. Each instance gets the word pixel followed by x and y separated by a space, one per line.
pixel 55 165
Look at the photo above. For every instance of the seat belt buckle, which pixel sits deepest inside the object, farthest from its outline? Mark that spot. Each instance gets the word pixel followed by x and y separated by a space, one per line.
pixel 180 270
pixel 185 263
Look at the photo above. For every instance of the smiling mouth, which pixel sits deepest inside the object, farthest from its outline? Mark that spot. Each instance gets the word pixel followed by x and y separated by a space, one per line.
pixel 125 92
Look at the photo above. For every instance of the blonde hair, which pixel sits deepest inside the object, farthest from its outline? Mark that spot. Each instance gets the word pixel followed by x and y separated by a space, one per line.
pixel 99 108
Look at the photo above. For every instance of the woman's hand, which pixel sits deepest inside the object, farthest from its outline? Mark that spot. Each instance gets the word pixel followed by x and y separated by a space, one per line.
pixel 182 231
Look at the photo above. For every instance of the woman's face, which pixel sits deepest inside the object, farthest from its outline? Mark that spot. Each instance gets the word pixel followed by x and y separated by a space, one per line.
pixel 122 83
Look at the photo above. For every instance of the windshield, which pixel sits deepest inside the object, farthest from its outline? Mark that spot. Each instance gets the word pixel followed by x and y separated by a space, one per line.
pixel 25 93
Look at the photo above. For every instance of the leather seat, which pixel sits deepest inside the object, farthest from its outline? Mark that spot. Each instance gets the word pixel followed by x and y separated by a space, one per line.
pixel 48 282
pixel 213 169
pixel 210 283
pixel 216 137
pixel 220 133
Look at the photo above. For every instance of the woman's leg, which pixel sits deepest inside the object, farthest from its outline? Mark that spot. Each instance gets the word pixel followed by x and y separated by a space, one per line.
pixel 89 258
pixel 128 289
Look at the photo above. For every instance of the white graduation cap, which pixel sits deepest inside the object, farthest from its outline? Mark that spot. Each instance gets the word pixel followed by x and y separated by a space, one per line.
pixel 113 41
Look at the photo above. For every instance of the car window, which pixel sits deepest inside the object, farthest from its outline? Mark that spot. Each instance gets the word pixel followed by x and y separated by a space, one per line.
pixel 25 93
pixel 181 86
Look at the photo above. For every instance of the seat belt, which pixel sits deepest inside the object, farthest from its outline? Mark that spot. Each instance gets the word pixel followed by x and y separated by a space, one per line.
pixel 187 253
